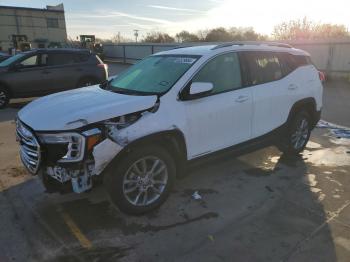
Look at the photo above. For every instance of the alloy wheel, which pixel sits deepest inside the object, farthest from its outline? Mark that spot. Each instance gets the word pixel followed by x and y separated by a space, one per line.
pixel 145 181
pixel 3 98
pixel 300 136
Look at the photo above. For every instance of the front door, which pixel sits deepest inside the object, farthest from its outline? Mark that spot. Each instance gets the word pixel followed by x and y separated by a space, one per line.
pixel 29 78
pixel 223 118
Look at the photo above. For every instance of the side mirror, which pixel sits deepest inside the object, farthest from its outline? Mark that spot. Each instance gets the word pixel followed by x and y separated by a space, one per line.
pixel 200 88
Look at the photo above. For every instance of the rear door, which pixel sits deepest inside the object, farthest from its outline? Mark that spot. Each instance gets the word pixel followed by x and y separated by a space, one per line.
pixel 223 118
pixel 273 94
pixel 64 69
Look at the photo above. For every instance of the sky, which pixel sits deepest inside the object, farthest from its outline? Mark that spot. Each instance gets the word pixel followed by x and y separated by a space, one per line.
pixel 105 18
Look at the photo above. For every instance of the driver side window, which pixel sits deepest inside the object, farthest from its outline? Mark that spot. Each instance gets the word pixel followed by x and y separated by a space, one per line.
pixel 223 72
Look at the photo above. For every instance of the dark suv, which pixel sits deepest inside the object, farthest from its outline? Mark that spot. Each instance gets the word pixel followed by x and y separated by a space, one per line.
pixel 44 71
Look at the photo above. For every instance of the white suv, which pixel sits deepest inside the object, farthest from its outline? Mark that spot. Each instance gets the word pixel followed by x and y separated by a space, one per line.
pixel 137 132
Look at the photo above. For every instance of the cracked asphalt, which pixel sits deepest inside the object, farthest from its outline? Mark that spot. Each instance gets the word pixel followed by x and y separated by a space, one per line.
pixel 262 206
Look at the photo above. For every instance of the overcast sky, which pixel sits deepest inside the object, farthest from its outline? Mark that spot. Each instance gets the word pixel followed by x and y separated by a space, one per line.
pixel 106 18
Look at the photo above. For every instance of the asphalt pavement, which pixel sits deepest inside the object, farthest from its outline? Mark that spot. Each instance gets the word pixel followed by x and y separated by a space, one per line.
pixel 262 206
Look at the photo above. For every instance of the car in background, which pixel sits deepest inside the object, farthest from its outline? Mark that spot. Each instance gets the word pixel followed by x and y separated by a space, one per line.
pixel 4 56
pixel 45 71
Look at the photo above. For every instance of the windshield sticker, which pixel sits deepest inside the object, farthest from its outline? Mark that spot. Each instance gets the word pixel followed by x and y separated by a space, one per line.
pixel 184 60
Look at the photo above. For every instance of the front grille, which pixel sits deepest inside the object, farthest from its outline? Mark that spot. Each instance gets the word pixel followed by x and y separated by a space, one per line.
pixel 29 148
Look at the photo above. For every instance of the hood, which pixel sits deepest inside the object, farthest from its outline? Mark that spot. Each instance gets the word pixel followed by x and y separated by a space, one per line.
pixel 76 108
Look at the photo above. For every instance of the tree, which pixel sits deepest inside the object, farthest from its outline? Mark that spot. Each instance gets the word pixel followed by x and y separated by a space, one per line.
pixel 233 34
pixel 306 29
pixel 185 36
pixel 158 37
pixel 218 35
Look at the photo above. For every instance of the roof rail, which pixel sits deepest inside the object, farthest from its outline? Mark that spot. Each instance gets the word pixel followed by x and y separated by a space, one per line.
pixel 252 43
pixel 181 46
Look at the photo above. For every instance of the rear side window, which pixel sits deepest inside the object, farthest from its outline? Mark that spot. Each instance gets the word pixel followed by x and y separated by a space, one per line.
pixel 223 72
pixel 65 59
pixel 263 67
pixel 291 62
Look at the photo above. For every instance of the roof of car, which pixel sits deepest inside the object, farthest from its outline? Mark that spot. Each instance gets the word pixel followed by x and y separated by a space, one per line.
pixel 250 45
pixel 45 50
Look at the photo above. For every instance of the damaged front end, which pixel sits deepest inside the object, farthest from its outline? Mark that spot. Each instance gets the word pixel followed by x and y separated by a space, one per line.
pixel 74 160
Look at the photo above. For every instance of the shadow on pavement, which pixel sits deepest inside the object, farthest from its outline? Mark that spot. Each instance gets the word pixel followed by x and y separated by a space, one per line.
pixel 257 207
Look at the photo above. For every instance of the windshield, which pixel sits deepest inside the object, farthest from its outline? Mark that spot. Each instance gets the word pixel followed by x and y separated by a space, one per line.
pixel 11 59
pixel 153 75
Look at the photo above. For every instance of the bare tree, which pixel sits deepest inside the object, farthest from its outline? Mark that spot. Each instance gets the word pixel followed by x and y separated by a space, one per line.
pixel 158 37
pixel 306 29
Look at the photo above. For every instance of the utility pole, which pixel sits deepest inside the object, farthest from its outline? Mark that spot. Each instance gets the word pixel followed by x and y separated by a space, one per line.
pixel 136 34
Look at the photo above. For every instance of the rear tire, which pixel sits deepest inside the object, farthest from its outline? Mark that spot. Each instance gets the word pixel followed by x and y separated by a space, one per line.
pixel 298 134
pixel 4 97
pixel 141 181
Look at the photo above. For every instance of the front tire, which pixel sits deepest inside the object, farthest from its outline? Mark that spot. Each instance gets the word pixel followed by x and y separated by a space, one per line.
pixel 141 181
pixel 4 97
pixel 298 134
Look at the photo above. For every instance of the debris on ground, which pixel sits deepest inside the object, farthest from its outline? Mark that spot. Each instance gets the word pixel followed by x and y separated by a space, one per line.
pixel 341 133
pixel 336 130
pixel 196 196
pixel 211 238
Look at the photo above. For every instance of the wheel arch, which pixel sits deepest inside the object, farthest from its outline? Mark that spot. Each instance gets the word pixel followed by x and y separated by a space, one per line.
pixel 7 87
pixel 172 140
pixel 309 105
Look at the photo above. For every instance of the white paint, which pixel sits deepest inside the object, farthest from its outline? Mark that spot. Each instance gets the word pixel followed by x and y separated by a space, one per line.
pixel 200 87
pixel 75 108
pixel 103 154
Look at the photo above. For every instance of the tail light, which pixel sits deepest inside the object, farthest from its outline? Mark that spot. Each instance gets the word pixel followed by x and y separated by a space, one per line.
pixel 322 76
pixel 104 66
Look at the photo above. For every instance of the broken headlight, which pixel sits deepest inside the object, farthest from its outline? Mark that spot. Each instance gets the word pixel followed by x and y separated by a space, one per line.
pixel 74 143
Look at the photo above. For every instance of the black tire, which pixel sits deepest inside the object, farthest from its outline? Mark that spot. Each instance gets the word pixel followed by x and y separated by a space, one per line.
pixel 4 97
pixel 119 169
pixel 87 81
pixel 298 127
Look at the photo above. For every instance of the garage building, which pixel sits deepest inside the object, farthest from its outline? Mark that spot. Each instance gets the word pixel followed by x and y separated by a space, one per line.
pixel 39 27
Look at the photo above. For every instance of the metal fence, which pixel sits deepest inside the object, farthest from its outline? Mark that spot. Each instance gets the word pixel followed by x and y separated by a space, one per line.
pixel 332 57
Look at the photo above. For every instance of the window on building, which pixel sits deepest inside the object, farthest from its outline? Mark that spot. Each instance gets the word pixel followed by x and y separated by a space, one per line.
pixel 52 22
pixel 223 71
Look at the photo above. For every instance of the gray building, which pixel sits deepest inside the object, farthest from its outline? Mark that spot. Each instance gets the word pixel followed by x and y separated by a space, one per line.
pixel 39 27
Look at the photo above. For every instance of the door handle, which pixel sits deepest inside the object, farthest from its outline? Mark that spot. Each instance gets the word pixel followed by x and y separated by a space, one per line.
pixel 241 99
pixel 46 72
pixel 292 87
pixel 79 69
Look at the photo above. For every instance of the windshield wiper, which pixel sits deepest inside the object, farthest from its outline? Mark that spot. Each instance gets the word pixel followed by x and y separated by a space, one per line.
pixel 131 91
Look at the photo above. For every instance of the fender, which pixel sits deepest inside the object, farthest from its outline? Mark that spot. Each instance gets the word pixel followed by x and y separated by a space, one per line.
pixel 172 140
pixel 308 104
pixel 7 87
